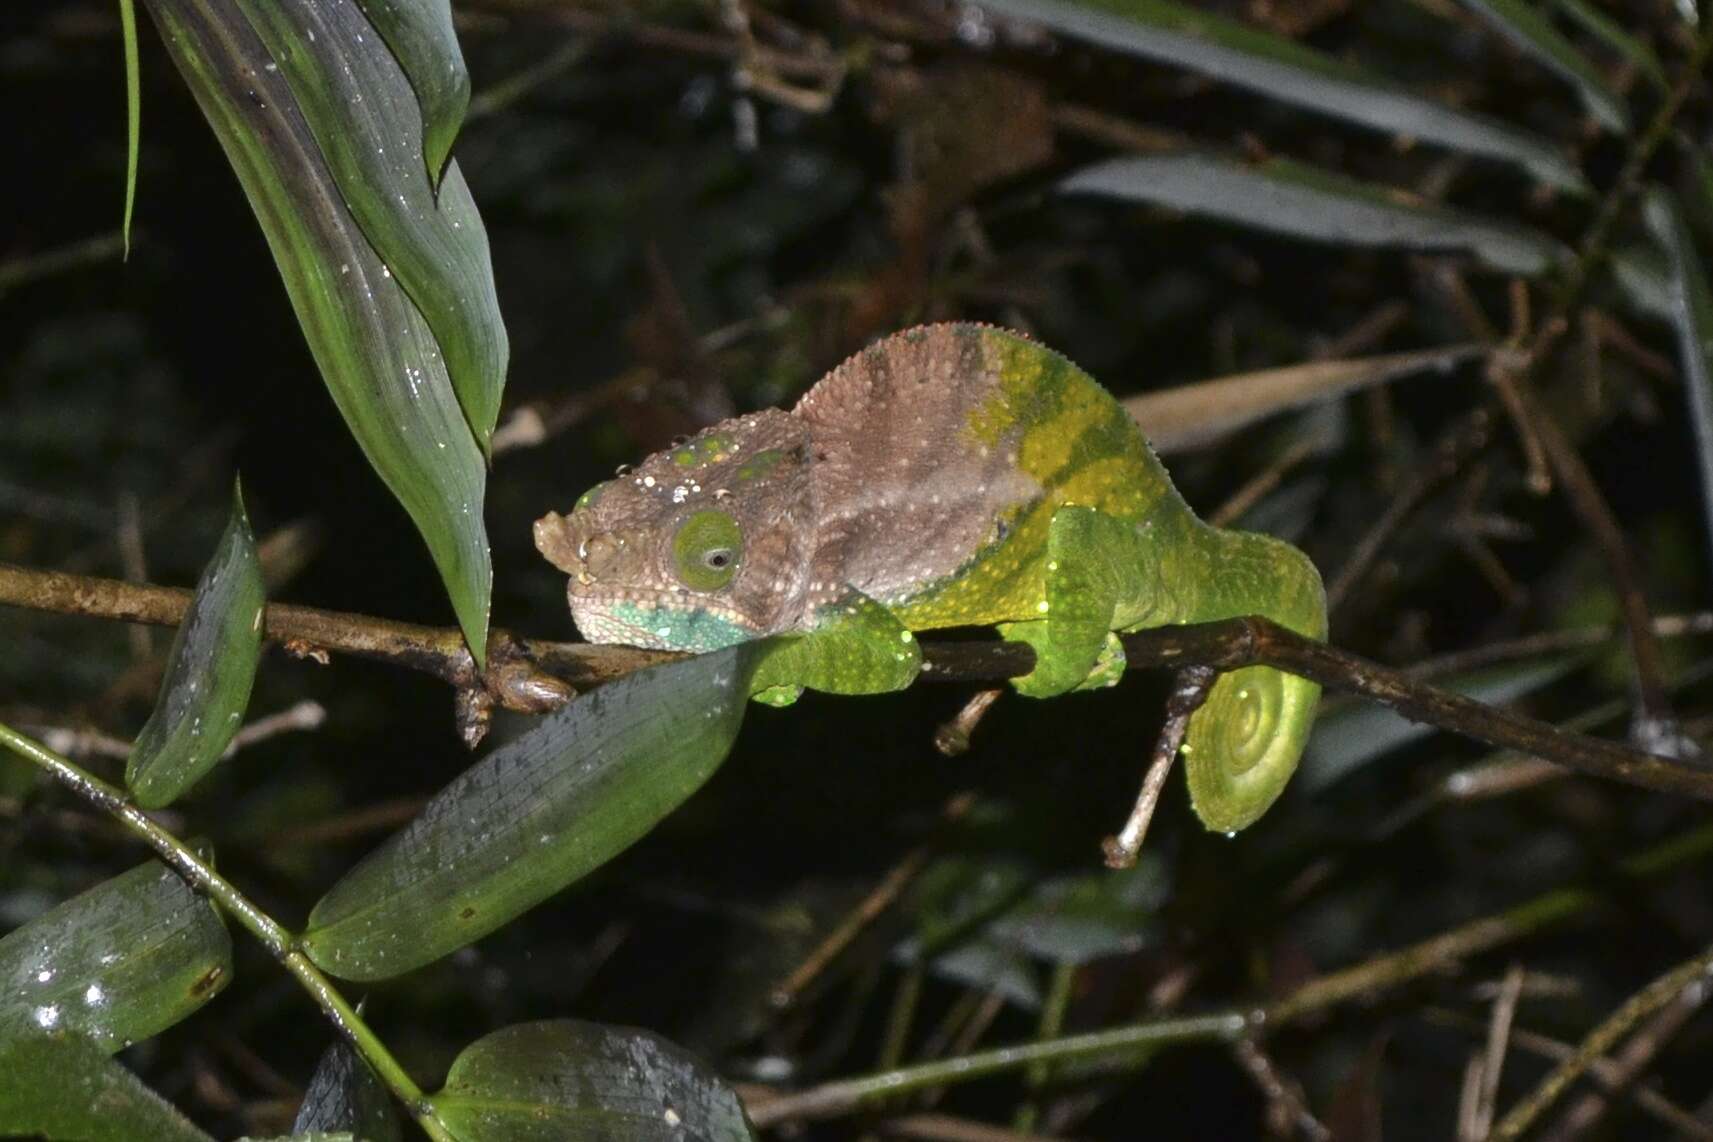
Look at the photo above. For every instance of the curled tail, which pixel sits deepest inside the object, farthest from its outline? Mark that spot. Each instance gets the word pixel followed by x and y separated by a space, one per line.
pixel 1244 742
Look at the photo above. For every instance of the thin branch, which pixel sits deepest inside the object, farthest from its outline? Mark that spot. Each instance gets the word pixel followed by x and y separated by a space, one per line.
pixel 1382 973
pixel 884 894
pixel 1190 687
pixel 531 676
pixel 185 861
pixel 1658 995
pixel 1621 1073
pixel 1604 1074
pixel 836 1098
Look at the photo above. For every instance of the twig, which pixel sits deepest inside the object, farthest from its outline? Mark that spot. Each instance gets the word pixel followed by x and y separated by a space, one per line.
pixel 891 886
pixel 952 738
pixel 1190 688
pixel 1654 719
pixel 1462 441
pixel 1620 1073
pixel 1655 997
pixel 945 1128
pixel 1381 973
pixel 842 1097
pixel 305 715
pixel 1287 1111
pixel 1603 1073
pixel 1493 1056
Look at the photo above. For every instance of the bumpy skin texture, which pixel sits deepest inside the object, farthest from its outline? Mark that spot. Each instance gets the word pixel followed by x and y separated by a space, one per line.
pixel 950 475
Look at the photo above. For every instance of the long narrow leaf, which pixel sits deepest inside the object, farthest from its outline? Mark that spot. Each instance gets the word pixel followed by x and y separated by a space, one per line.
pixel 420 34
pixel 209 672
pixel 532 817
pixel 375 351
pixel 560 1079
pixel 65 1087
pixel 1691 299
pixel 366 121
pixel 133 113
pixel 1248 57
pixel 1529 28
pixel 1185 417
pixel 1601 26
pixel 1291 198
pixel 118 963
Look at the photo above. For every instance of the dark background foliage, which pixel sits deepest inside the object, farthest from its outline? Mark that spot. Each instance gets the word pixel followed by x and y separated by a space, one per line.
pixel 657 273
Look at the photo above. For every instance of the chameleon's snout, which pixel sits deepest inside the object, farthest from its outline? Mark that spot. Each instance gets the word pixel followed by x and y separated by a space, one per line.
pixel 600 554
pixel 584 555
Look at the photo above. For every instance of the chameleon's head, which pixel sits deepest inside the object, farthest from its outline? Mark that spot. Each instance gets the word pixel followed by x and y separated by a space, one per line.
pixel 701 546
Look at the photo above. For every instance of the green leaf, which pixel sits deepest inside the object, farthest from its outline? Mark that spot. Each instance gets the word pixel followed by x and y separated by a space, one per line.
pixel 62 1087
pixel 133 113
pixel 561 1078
pixel 1291 198
pixel 1283 69
pixel 1691 302
pixel 1078 919
pixel 1532 32
pixel 345 1095
pixel 1644 278
pixel 533 816
pixel 209 672
pixel 118 963
pixel 421 36
pixel 364 115
pixel 1601 26
pixel 376 353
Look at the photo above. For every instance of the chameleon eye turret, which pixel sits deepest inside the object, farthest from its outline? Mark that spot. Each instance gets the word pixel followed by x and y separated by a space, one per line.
pixel 951 475
pixel 707 549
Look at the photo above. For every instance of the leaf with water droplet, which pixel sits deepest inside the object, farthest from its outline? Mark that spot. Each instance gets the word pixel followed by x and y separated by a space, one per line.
pixel 210 670
pixel 579 788
pixel 421 36
pixel 358 101
pixel 365 329
pixel 592 778
pixel 118 963
pixel 563 1078
pixel 64 1086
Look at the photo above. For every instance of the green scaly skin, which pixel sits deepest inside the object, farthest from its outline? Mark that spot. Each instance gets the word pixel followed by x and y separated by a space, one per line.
pixel 1105 546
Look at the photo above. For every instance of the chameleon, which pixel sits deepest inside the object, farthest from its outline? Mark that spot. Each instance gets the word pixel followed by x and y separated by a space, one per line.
pixel 951 475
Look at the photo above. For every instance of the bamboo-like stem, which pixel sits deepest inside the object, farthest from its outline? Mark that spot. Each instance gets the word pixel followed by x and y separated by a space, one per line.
pixel 182 859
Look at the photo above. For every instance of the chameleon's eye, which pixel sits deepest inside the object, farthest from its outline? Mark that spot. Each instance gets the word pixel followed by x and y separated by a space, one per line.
pixel 707 549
